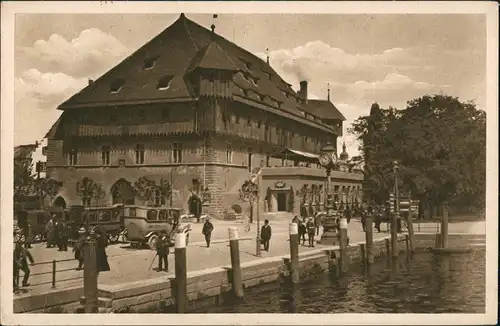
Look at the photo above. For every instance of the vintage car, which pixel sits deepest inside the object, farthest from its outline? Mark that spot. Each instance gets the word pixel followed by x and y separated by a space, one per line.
pixel 144 224
pixel 109 218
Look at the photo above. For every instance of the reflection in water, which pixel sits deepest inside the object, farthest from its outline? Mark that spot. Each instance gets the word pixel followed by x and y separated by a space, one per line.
pixel 423 283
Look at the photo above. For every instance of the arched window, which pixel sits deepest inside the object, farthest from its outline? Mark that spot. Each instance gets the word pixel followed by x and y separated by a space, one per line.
pixel 123 192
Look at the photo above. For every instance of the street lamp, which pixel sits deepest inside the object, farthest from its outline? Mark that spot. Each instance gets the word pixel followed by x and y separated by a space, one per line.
pixel 328 160
pixel 395 218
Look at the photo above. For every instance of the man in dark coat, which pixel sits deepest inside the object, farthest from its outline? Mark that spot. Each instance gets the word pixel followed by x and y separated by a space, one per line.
pixel 207 231
pixel 50 232
pixel 78 248
pixel 63 232
pixel 162 250
pixel 20 262
pixel 102 257
pixel 265 234
pixel 29 236
pixel 302 232
pixel 311 228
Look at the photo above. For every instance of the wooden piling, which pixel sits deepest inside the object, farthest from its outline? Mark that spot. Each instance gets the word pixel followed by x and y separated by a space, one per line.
pixel 343 262
pixel 90 275
pixel 369 239
pixel 234 248
pixel 394 235
pixel 444 228
pixel 180 273
pixel 411 237
pixel 294 252
pixel 54 274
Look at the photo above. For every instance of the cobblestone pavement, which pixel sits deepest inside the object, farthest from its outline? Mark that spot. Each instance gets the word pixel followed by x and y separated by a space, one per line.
pixel 128 265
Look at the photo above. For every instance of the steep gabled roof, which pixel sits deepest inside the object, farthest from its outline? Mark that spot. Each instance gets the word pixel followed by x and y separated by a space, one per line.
pixel 324 109
pixel 212 57
pixel 177 51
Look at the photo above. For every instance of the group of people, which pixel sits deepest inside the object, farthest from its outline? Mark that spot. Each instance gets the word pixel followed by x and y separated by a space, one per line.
pixel 311 227
pixel 57 233
pixel 101 238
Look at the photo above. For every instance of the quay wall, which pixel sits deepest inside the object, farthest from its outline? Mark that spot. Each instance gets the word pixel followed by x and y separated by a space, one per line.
pixel 212 286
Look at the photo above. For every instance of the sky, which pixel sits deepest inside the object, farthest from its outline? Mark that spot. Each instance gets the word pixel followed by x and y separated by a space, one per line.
pixel 388 59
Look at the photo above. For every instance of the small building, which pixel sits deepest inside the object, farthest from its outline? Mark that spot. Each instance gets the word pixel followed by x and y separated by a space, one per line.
pixel 196 110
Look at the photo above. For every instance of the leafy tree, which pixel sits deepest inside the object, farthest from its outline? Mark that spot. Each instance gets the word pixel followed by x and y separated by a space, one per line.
pixel 439 142
pixel 23 178
pixel 249 192
pixel 148 190
pixel 47 188
pixel 98 193
pixel 88 190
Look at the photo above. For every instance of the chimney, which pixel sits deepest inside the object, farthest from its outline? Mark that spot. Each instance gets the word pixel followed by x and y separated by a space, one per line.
pixel 91 81
pixel 303 91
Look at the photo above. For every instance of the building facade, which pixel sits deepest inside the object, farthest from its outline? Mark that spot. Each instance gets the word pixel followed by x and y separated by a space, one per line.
pixel 196 110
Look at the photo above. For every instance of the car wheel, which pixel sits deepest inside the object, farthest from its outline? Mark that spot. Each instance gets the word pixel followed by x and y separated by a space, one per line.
pixel 113 238
pixel 152 241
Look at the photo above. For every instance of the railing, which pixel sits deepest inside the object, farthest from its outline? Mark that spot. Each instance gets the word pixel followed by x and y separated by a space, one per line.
pixel 54 271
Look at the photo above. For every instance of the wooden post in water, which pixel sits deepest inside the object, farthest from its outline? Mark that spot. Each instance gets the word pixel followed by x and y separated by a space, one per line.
pixel 294 252
pixel 369 239
pixel 344 263
pixel 234 248
pixel 411 237
pixel 90 275
pixel 180 272
pixel 444 227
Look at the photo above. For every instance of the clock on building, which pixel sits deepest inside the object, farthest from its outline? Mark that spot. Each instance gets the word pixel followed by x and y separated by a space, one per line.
pixel 324 159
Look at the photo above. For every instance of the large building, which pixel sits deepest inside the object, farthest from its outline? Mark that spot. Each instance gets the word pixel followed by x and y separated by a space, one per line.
pixel 194 109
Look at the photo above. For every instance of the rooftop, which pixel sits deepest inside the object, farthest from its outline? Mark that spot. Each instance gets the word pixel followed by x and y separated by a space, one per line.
pixel 157 72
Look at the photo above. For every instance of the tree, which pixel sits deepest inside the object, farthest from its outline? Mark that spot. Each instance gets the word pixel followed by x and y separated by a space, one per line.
pixel 47 188
pixel 148 190
pixel 249 192
pixel 87 189
pixel 98 193
pixel 439 142
pixel 23 178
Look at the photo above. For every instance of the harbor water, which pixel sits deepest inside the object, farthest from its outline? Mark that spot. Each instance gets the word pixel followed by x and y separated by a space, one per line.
pixel 422 283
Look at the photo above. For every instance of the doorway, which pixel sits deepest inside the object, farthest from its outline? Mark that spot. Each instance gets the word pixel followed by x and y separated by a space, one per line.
pixel 281 198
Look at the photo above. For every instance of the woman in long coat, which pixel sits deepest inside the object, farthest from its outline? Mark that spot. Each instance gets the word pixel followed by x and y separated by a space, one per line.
pixel 102 257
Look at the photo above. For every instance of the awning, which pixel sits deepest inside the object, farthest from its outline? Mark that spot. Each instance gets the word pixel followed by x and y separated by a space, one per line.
pixel 300 153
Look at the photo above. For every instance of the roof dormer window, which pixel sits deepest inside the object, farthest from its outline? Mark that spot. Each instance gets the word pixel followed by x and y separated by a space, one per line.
pixel 150 62
pixel 164 83
pixel 262 97
pixel 247 64
pixel 117 85
pixel 255 81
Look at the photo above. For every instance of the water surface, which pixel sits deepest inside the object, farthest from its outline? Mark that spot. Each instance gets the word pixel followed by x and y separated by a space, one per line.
pixel 423 283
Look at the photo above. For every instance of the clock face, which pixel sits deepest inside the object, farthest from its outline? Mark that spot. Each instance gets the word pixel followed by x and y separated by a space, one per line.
pixel 324 159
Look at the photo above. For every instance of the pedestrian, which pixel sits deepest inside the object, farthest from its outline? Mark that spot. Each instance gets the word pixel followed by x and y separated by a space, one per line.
pixel 378 219
pixel 364 212
pixel 50 232
pixel 296 219
pixel 348 213
pixel 29 236
pixel 162 250
pixel 311 228
pixel 207 231
pixel 265 234
pixel 57 238
pixel 21 256
pixel 78 248
pixel 102 258
pixel 318 221
pixel 63 236
pixel 302 232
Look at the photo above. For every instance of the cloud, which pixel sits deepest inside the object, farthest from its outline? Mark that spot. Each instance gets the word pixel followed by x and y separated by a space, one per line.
pixel 37 94
pixel 90 53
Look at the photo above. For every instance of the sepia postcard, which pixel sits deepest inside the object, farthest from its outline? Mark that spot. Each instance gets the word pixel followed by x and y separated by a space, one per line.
pixel 249 163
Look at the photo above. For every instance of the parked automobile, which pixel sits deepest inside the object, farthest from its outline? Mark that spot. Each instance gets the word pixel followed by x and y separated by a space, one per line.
pixel 144 224
pixel 110 218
